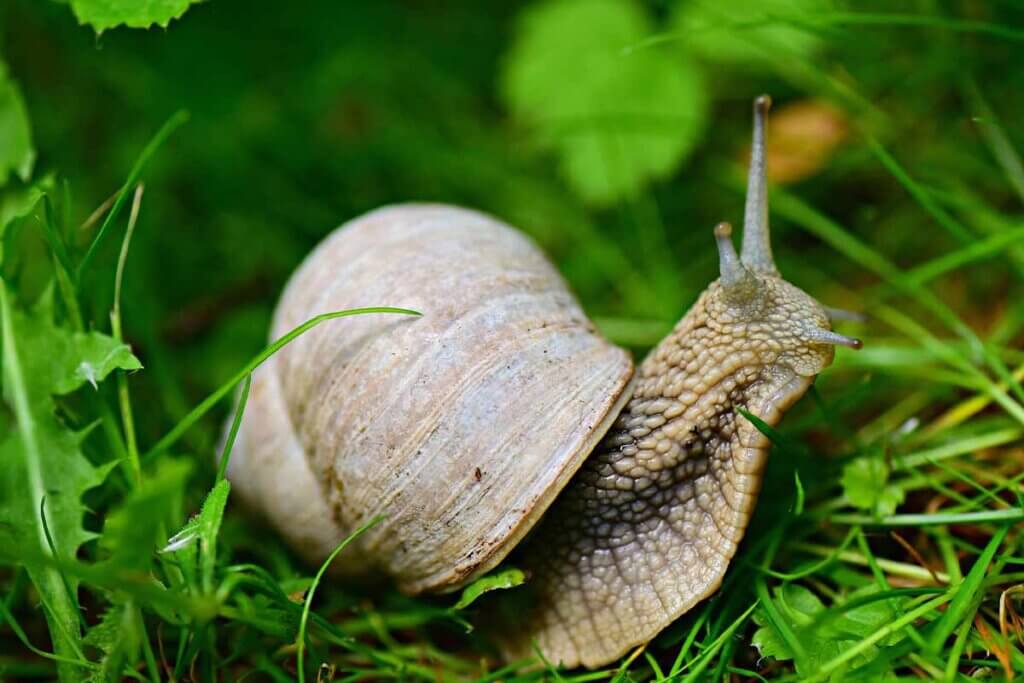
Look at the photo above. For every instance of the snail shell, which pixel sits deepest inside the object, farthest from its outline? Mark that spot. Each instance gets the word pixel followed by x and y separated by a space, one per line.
pixel 463 426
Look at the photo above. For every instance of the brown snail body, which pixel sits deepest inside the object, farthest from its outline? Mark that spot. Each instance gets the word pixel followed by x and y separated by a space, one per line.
pixel 465 426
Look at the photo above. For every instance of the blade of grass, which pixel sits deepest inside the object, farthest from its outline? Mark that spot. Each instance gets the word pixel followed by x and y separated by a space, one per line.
pixel 20 634
pixel 171 125
pixel 1009 516
pixel 957 448
pixel 993 133
pixel 908 571
pixel 916 20
pixel 196 413
pixel 300 640
pixel 678 664
pixel 235 424
pixel 133 462
pixel 702 662
pixel 975 251
pixel 950 224
pixel 965 594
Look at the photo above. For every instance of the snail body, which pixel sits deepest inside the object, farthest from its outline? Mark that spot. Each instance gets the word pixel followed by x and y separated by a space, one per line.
pixel 503 411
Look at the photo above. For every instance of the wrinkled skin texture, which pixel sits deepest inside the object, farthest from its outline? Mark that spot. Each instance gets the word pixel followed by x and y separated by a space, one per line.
pixel 648 525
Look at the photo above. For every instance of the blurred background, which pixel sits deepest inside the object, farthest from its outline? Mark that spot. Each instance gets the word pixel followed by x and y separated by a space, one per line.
pixel 614 132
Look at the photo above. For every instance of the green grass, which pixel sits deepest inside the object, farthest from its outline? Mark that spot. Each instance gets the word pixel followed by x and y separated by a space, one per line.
pixel 887 544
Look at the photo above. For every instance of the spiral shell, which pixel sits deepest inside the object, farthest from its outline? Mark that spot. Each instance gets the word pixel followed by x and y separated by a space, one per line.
pixel 460 426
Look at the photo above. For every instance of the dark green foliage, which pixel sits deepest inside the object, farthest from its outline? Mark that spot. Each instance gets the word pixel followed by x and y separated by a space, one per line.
pixel 888 542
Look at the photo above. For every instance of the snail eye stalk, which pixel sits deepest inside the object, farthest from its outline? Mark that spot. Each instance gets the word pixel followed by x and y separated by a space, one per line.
pixel 757 247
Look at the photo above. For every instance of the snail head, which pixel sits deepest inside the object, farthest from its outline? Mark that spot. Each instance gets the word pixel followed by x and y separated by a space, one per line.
pixel 751 306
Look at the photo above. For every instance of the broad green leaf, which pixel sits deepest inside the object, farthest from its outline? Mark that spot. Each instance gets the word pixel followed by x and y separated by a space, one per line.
pixel 865 485
pixel 104 14
pixel 17 202
pixel 751 33
pixel 16 153
pixel 616 120
pixel 507 578
pixel 118 635
pixel 822 632
pixel 44 471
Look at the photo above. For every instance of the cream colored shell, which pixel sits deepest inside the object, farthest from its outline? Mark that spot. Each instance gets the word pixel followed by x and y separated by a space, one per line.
pixel 460 426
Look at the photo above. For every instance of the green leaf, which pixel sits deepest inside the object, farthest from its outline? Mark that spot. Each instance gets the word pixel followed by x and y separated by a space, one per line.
pixel 865 485
pixel 823 633
pixel 118 637
pixel 104 14
pixel 18 202
pixel 507 578
pixel 751 33
pixel 44 470
pixel 135 530
pixel 617 120
pixel 96 356
pixel 16 152
pixel 59 361
pixel 199 536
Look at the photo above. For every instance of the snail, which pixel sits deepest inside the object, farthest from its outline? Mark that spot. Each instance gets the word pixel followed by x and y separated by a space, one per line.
pixel 502 418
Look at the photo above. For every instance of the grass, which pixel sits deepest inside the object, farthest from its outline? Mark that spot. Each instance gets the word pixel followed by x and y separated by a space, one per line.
pixel 887 545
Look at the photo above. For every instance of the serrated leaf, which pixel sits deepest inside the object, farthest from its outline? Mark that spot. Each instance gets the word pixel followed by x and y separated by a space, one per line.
pixel 106 14
pixel 507 578
pixel 16 152
pixel 768 641
pixel 751 33
pixel 865 485
pixel 118 637
pixel 59 361
pixel 616 120
pixel 197 540
pixel 44 471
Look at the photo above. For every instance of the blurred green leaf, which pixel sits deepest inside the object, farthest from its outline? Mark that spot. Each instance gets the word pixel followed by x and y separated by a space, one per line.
pixel 821 632
pixel 616 120
pixel 104 14
pixel 197 540
pixel 750 33
pixel 16 152
pixel 117 636
pixel 17 202
pixel 865 485
pixel 134 531
pixel 507 578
